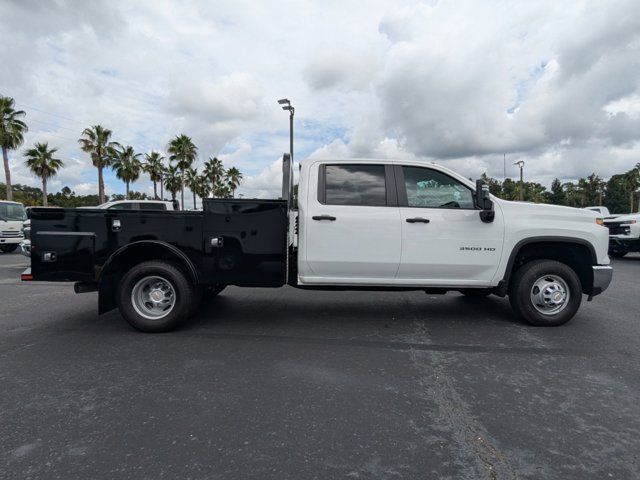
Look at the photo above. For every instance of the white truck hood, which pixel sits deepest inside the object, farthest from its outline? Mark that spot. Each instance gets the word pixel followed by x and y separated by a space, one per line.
pixel 554 211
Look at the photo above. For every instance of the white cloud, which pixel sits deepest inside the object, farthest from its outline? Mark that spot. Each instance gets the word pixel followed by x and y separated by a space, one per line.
pixel 462 82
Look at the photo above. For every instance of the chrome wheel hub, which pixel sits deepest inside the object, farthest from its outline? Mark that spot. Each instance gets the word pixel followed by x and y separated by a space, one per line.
pixel 153 297
pixel 550 295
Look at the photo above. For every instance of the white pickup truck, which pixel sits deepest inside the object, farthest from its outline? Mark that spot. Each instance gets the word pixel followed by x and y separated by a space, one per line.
pixel 624 234
pixel 360 224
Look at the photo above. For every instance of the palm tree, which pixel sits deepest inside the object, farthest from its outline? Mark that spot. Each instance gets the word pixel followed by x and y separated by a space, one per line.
pixel 98 145
pixel 184 153
pixel 214 171
pixel 127 165
pixel 221 190
pixel 41 162
pixel 12 131
pixel 191 179
pixel 173 180
pixel 154 167
pixel 233 177
pixel 203 187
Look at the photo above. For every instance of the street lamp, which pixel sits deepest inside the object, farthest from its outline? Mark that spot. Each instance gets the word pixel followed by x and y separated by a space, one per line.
pixel 286 105
pixel 520 164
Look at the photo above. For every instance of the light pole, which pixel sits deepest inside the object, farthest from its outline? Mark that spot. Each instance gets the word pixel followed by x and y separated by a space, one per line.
pixel 286 105
pixel 520 164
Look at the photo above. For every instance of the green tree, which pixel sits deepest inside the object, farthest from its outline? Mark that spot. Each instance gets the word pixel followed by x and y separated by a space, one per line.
pixel 173 181
pixel 154 167
pixel 495 187
pixel 214 171
pixel 557 195
pixel 221 190
pixel 234 178
pixel 97 143
pixel 184 152
pixel 12 131
pixel 632 183
pixel 127 165
pixel 615 198
pixel 203 188
pixel 191 179
pixel 41 161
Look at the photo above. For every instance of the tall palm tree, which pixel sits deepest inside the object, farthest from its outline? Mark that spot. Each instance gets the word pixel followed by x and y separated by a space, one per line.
pixel 184 152
pixel 127 165
pixel 41 161
pixel 214 171
pixel 97 143
pixel 191 179
pixel 12 131
pixel 173 180
pixel 221 190
pixel 234 178
pixel 203 187
pixel 154 167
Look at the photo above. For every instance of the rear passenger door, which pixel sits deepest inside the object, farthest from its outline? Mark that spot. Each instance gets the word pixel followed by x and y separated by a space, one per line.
pixel 351 228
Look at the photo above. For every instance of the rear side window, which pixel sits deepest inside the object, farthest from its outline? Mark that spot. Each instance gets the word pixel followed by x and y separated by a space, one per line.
pixel 354 185
pixel 152 206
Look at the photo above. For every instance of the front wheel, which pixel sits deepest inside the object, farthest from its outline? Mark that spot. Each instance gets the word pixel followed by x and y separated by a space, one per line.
pixel 155 297
pixel 545 293
pixel 8 248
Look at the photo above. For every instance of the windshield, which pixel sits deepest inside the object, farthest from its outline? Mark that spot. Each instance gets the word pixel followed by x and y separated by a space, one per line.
pixel 12 212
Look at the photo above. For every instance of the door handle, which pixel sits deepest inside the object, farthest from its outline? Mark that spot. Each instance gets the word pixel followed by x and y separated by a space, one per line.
pixel 417 220
pixel 324 217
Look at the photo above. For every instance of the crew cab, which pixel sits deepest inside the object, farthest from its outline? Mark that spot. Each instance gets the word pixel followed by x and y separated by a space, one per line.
pixel 12 214
pixel 359 224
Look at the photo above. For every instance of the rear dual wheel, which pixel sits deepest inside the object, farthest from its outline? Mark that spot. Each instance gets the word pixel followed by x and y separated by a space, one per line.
pixel 156 297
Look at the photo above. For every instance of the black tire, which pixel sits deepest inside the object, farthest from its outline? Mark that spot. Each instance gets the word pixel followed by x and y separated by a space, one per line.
pixel 522 286
pixel 8 248
pixel 184 296
pixel 476 292
pixel 617 253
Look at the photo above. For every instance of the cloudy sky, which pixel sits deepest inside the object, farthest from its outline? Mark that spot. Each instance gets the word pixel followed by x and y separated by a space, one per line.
pixel 556 84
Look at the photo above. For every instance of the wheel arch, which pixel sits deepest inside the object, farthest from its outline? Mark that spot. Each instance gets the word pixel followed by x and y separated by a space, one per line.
pixel 132 254
pixel 577 253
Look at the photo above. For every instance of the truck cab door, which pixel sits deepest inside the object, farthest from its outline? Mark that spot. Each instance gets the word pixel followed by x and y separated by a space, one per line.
pixel 350 229
pixel 444 241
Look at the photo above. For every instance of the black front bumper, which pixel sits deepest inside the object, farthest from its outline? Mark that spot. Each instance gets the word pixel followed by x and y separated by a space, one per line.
pixel 602 275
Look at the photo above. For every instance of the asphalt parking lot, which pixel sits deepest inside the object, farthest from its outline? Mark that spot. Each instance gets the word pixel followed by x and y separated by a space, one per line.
pixel 297 384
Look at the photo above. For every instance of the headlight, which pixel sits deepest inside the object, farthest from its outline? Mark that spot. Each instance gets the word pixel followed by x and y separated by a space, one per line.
pixel 630 222
pixel 600 221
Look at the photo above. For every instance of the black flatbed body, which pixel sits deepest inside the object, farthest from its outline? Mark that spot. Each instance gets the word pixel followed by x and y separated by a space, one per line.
pixel 230 242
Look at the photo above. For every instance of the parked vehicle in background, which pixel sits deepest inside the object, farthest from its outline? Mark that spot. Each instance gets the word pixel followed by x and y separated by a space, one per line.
pixel 360 225
pixel 604 211
pixel 624 234
pixel 138 205
pixel 12 214
pixel 25 244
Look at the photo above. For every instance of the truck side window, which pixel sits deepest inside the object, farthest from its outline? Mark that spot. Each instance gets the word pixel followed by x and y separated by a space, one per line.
pixel 123 206
pixel 432 189
pixel 152 206
pixel 355 185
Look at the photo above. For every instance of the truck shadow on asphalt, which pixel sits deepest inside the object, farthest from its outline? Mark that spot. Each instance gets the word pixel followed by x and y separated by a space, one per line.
pixel 348 309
